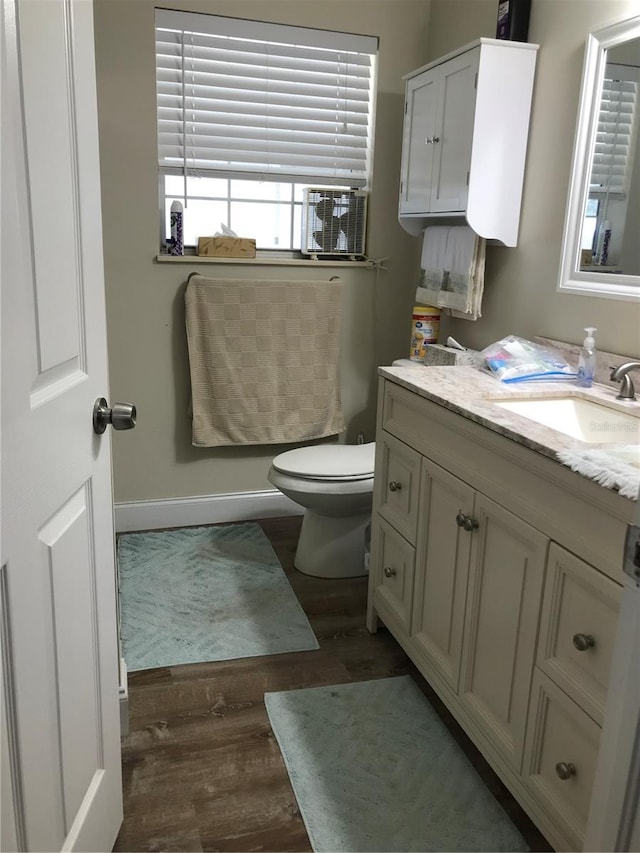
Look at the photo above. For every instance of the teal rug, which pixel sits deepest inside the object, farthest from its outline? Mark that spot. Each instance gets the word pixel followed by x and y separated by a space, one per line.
pixel 375 769
pixel 204 594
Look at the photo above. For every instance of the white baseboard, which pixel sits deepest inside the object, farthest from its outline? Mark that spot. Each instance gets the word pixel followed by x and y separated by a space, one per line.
pixel 202 509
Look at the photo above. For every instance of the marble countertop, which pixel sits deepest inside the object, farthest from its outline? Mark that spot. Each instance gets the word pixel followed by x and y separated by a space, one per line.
pixel 472 393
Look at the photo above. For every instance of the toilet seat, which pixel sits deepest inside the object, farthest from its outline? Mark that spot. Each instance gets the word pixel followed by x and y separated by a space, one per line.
pixel 338 462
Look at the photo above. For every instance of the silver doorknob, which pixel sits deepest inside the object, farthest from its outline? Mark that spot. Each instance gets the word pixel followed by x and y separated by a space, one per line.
pixel 395 486
pixel 389 572
pixel 565 770
pixel 120 416
pixel 582 642
pixel 460 518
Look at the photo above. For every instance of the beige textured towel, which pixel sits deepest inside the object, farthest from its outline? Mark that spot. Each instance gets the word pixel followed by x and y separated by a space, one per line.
pixel 263 357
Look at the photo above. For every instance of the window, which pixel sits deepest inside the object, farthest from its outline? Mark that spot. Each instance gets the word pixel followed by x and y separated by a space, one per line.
pixel 615 133
pixel 250 113
pixel 588 239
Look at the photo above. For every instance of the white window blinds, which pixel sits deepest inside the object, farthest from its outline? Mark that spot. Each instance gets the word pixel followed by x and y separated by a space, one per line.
pixel 615 135
pixel 258 100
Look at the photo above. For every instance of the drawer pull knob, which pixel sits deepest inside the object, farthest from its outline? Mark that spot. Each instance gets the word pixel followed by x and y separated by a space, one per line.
pixel 565 770
pixel 389 572
pixel 395 486
pixel 466 521
pixel 582 642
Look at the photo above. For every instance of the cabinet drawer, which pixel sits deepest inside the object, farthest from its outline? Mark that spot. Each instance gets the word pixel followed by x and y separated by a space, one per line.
pixel 560 756
pixel 578 628
pixel 393 565
pixel 397 482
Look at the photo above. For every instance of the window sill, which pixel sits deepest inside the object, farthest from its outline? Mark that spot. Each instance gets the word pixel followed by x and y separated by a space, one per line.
pixel 280 262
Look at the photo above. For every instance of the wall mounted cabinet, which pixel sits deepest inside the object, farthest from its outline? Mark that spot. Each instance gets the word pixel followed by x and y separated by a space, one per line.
pixel 464 143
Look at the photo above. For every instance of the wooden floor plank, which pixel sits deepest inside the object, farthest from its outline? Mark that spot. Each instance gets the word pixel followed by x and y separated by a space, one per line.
pixel 202 770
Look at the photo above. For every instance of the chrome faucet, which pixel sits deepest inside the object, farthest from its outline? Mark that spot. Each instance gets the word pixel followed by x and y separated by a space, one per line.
pixel 621 372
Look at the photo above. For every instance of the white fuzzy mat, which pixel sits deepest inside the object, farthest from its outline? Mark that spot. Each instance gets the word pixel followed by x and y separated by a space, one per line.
pixel 615 466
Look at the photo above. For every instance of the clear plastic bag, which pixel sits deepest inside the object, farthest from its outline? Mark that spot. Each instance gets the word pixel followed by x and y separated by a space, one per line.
pixel 514 359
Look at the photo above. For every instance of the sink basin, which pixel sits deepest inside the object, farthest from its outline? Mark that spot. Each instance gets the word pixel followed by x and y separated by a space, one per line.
pixel 582 419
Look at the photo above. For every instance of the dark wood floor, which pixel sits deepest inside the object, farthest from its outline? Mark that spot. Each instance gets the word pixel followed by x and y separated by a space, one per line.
pixel 201 767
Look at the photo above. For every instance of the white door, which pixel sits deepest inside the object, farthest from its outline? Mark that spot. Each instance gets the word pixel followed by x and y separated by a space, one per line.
pixel 614 817
pixel 61 785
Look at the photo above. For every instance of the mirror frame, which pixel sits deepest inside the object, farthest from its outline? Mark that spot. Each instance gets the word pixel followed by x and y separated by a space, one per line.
pixel 571 278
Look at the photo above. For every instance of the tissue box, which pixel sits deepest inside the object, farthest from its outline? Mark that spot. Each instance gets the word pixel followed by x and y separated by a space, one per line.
pixel 439 354
pixel 226 247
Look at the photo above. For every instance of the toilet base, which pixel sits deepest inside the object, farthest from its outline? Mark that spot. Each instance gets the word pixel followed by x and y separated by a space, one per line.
pixel 331 547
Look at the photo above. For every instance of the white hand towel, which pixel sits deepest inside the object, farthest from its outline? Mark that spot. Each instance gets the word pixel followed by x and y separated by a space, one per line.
pixel 434 258
pixel 467 276
pixel 452 274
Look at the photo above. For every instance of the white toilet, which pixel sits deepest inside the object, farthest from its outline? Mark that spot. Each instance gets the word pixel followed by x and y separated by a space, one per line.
pixel 335 485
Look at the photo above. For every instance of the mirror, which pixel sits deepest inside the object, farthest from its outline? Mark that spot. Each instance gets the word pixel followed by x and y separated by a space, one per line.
pixel 601 241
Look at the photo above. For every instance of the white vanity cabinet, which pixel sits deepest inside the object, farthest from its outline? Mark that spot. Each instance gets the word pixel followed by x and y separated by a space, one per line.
pixel 478 567
pixel 464 139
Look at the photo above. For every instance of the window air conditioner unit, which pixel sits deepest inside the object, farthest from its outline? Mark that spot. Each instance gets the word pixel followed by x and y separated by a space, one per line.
pixel 333 222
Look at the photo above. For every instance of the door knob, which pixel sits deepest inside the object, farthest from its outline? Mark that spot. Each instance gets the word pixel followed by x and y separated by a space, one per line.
pixel 121 416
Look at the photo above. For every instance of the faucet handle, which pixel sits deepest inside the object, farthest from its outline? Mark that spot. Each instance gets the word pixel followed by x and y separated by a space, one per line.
pixel 627 391
pixel 621 374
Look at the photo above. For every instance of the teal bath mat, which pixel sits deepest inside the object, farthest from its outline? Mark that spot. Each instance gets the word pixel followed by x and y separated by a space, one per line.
pixel 205 594
pixel 374 768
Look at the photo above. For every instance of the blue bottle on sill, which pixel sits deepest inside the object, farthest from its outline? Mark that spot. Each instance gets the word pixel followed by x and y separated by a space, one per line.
pixel 176 243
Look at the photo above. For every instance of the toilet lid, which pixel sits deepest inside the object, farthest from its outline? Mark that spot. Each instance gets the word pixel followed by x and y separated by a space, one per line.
pixel 329 462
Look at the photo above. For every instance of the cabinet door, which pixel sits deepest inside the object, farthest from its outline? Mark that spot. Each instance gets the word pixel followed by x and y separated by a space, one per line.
pixel 442 568
pixel 454 132
pixel 393 565
pixel 417 152
pixel 501 621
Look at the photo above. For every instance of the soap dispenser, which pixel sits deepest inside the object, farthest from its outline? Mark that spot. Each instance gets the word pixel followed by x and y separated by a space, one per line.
pixel 587 359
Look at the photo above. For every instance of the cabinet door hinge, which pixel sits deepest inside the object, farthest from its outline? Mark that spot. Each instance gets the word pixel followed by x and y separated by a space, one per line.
pixel 467 178
pixel 401 186
pixel 406 107
pixel 475 81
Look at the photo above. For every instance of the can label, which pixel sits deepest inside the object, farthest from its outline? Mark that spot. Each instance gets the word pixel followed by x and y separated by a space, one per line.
pixel 425 326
